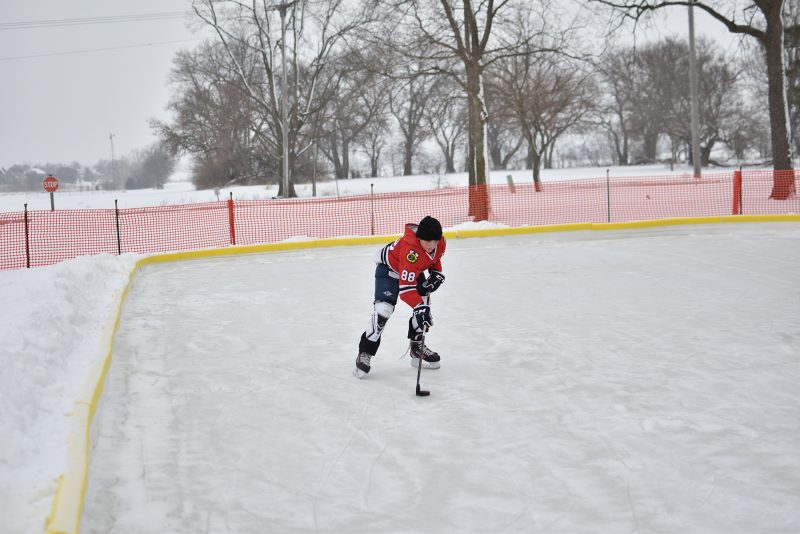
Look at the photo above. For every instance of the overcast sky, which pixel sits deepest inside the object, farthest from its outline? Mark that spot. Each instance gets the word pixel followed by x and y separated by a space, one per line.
pixel 66 86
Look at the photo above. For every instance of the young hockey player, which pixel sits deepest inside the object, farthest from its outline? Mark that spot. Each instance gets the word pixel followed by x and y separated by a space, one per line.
pixel 399 273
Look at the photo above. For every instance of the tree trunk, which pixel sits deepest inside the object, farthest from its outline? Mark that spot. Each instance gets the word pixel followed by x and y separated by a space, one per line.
pixel 497 156
pixel 292 192
pixel 333 155
pixel 535 159
pixel 782 187
pixel 450 160
pixel 346 157
pixel 338 170
pixel 705 153
pixel 408 157
pixel 511 153
pixel 650 146
pixel 625 157
pixel 373 164
pixel 478 193
pixel 617 147
pixel 548 159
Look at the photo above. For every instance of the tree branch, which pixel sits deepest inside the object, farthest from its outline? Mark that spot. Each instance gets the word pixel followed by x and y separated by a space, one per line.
pixel 642 7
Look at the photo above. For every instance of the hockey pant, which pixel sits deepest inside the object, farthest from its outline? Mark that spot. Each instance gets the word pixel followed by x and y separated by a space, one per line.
pixel 371 338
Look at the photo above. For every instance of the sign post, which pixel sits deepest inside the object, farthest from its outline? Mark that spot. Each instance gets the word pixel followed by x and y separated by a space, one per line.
pixel 50 184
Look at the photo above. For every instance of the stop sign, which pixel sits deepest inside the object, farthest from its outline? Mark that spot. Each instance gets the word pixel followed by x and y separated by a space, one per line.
pixel 50 184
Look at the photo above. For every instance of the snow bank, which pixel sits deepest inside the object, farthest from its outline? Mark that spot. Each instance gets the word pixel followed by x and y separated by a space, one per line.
pixel 54 329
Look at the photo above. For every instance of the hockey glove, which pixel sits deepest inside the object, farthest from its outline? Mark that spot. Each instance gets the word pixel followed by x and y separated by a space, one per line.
pixel 431 284
pixel 422 318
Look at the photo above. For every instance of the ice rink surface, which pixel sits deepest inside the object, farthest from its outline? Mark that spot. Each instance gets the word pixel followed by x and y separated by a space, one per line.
pixel 620 381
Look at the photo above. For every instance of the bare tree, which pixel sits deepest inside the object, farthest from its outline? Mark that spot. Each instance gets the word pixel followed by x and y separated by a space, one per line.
pixel 655 94
pixel 354 100
pixel 754 131
pixel 375 135
pixel 314 30
pixel 447 121
pixel 748 131
pixel 762 20
pixel 549 97
pixel 408 101
pixel 644 99
pixel 503 135
pixel 665 108
pixel 719 100
pixel 373 140
pixel 150 167
pixel 617 85
pixel 213 120
pixel 373 92
pixel 460 39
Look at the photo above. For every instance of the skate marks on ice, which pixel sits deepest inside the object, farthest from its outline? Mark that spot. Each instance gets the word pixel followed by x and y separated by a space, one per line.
pixel 646 382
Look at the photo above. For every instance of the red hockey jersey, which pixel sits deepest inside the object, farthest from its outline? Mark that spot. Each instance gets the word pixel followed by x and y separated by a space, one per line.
pixel 406 259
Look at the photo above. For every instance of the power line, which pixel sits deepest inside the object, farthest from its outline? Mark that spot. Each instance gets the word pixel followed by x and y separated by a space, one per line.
pixel 54 23
pixel 96 49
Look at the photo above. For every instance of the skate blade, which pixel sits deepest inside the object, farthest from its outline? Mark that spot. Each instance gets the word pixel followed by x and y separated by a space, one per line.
pixel 358 373
pixel 425 365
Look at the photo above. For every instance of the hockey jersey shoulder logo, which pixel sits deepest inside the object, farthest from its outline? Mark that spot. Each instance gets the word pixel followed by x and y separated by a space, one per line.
pixel 412 256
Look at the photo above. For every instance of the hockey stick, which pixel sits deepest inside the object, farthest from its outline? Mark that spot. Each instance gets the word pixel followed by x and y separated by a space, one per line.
pixel 421 392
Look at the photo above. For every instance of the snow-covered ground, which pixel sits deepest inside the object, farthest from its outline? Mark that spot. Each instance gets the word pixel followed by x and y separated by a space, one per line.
pixel 54 327
pixel 183 192
pixel 616 381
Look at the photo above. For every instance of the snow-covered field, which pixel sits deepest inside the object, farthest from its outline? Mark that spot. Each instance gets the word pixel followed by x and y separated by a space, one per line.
pixel 183 192
pixel 618 381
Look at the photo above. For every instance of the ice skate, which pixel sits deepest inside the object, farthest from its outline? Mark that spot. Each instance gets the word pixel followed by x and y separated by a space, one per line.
pixel 362 364
pixel 430 359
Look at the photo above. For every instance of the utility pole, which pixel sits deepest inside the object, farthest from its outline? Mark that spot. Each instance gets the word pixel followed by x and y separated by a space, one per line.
pixel 696 157
pixel 113 171
pixel 282 8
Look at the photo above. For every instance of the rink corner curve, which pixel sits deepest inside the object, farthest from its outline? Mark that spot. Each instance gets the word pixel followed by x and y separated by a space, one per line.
pixel 67 505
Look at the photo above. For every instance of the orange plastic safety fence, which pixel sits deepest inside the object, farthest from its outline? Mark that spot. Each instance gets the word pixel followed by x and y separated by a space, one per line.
pixel 770 192
pixel 12 241
pixel 52 236
pixel 173 228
